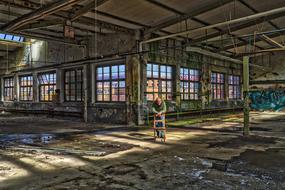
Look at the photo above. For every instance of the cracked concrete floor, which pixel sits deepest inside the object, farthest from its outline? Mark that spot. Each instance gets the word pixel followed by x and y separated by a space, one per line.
pixel 42 153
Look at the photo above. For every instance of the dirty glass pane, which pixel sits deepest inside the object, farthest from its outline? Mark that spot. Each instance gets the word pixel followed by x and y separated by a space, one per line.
pixel 163 72
pixel 47 84
pixel 26 85
pixel 106 73
pixel 106 91
pixel 149 87
pixel 115 72
pixel 122 72
pixel 163 86
pixel 149 70
pixel 8 89
pixel 155 71
pixel 169 72
pixel 155 85
pixel 122 91
pixel 99 73
pixel 115 91
pixel 73 82
pixel 99 91
pixel 149 97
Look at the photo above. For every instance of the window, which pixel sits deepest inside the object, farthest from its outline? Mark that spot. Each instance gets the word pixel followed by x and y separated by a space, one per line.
pixel 26 88
pixel 234 87
pixel 189 84
pixel 218 86
pixel 73 85
pixel 111 83
pixel 8 89
pixel 47 85
pixel 10 37
pixel 159 82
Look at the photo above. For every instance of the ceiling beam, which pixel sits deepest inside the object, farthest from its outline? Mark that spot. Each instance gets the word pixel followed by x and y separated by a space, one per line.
pixel 255 11
pixel 90 6
pixel 271 41
pixel 239 27
pixel 38 14
pixel 185 16
pixel 193 18
pixel 28 5
pixel 42 24
pixel 271 35
pixel 220 24
pixel 261 51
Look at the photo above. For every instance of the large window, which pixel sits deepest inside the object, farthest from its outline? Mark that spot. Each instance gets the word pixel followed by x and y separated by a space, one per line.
pixel 159 82
pixel 26 88
pixel 47 85
pixel 218 86
pixel 111 83
pixel 73 85
pixel 189 84
pixel 11 37
pixel 234 87
pixel 8 89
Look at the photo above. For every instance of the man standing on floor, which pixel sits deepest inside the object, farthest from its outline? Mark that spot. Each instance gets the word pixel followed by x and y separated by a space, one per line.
pixel 159 108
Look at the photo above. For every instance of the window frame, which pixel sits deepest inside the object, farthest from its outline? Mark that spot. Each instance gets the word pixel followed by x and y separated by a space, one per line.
pixel 46 85
pixel 26 86
pixel 10 87
pixel 189 81
pixel 110 80
pixel 236 95
pixel 75 84
pixel 220 84
pixel 160 79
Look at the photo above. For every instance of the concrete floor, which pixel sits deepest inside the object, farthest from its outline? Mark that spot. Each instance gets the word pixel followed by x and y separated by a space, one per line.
pixel 200 153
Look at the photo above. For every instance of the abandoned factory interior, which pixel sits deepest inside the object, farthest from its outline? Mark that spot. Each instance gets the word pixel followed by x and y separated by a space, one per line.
pixel 142 94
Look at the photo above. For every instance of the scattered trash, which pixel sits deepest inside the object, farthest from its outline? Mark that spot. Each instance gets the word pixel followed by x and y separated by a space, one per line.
pixel 179 158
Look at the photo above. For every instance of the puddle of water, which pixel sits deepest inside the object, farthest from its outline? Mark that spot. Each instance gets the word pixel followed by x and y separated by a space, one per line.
pixel 27 138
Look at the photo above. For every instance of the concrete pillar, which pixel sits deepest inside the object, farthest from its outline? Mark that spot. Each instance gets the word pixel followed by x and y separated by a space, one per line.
pixel 87 91
pixel 60 84
pixel 17 87
pixel 206 83
pixel 246 95
pixel 93 79
pixel 177 90
pixel 135 89
pixel 35 88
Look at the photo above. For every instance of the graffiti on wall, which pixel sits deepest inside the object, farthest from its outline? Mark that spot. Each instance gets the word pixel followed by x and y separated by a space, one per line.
pixel 270 99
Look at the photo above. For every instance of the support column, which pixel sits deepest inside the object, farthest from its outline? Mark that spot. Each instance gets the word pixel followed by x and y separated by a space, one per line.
pixel 133 91
pixel 87 90
pixel 177 92
pixel 36 92
pixel 246 95
pixel 60 84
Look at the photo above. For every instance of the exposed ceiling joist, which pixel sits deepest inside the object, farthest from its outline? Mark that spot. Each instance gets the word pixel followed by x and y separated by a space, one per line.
pixel 42 24
pixel 90 6
pixel 220 24
pixel 38 14
pixel 172 21
pixel 239 27
pixel 255 11
pixel 271 41
pixel 65 15
pixel 271 35
pixel 193 18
